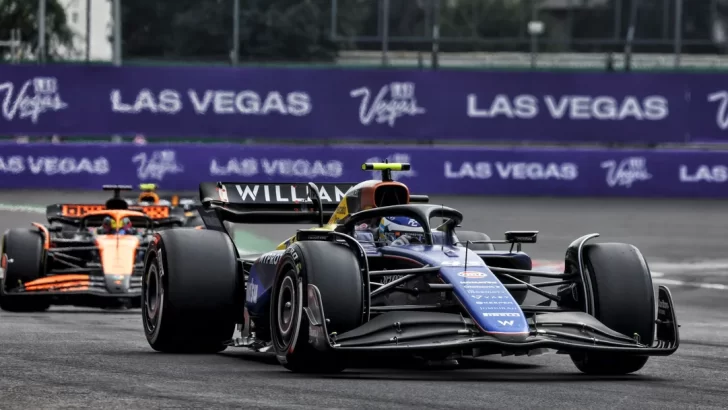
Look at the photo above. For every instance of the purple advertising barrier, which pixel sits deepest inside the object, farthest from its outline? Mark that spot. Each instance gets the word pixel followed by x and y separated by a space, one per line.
pixel 443 171
pixel 345 103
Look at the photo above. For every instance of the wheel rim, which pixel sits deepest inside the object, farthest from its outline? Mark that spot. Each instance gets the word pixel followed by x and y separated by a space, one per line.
pixel 153 298
pixel 286 308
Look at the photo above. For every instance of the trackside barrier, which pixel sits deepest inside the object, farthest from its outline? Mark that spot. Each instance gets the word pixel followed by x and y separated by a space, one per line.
pixel 445 171
pixel 384 105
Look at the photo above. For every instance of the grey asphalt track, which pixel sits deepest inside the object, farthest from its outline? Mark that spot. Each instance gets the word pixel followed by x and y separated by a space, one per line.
pixel 76 358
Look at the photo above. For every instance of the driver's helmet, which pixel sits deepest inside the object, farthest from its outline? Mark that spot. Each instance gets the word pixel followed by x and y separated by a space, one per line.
pixel 108 225
pixel 394 230
pixel 148 199
pixel 125 224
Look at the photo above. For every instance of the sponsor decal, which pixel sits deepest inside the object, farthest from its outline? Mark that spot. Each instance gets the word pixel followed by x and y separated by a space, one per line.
pixel 286 193
pixel 285 167
pixel 222 192
pixel 505 322
pixel 156 165
pixel 502 314
pixel 251 293
pixel 215 102
pixel 478 282
pixel 485 292
pixel 35 97
pixel 472 274
pixel 271 258
pixel 392 278
pixel 160 263
pixel 704 173
pixel 52 165
pixel 393 101
pixel 516 171
pixel 627 172
pixel 571 107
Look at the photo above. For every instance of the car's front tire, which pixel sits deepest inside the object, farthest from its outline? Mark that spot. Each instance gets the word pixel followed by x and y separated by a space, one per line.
pixel 334 270
pixel 624 300
pixel 191 291
pixel 22 257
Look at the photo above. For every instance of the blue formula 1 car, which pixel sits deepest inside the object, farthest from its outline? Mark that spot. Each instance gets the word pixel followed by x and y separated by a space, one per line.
pixel 391 274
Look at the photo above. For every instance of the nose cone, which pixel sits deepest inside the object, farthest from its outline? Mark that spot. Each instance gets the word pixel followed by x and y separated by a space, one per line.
pixel 118 283
pixel 118 253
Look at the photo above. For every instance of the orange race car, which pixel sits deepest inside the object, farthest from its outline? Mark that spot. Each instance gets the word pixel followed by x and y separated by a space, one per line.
pixel 87 255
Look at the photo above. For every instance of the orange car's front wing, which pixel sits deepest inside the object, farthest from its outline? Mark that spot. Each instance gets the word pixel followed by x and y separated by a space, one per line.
pixel 65 284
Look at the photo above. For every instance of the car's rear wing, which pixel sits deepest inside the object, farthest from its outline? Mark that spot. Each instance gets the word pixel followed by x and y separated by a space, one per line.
pixel 71 214
pixel 293 202
pixel 265 196
pixel 255 203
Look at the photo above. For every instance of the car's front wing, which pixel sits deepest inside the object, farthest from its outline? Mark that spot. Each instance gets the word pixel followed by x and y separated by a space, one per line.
pixel 566 332
pixel 76 284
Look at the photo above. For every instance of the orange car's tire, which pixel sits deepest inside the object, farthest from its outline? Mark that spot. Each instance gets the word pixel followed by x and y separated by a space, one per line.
pixel 22 255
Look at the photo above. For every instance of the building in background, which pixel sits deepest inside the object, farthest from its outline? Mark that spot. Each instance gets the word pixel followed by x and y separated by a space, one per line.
pixel 99 30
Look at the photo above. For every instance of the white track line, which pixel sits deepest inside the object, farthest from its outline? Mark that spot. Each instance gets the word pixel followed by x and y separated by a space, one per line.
pixel 714 286
pixel 35 209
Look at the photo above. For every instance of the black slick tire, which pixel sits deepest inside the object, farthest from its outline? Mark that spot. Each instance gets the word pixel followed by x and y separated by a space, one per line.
pixel 194 221
pixel 191 291
pixel 464 236
pixel 334 270
pixel 22 253
pixel 624 300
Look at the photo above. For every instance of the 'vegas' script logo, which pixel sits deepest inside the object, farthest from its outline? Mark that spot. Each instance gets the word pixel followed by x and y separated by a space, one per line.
pixel 627 172
pixel 26 104
pixel 381 110
pixel 156 165
pixel 721 114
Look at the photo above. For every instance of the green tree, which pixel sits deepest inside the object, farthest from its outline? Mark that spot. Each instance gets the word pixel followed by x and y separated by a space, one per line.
pixel 23 15
pixel 463 20
pixel 202 29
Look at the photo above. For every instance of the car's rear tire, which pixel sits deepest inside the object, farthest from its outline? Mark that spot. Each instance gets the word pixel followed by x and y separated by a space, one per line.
pixel 334 270
pixel 624 300
pixel 191 291
pixel 464 236
pixel 194 221
pixel 22 256
pixel 518 295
